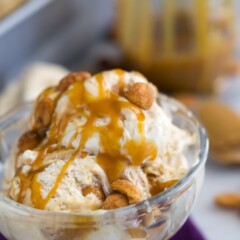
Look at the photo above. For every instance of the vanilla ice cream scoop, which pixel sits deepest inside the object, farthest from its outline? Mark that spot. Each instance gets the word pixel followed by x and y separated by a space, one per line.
pixel 97 142
pixel 70 195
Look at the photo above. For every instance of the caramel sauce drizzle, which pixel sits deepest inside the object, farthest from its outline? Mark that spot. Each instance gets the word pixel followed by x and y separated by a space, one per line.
pixel 160 187
pixel 112 158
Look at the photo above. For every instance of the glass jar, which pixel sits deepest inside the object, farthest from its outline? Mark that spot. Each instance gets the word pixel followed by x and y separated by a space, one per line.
pixel 177 44
pixel 156 218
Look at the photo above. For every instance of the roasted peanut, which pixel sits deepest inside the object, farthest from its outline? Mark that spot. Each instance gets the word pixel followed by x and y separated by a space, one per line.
pixel 98 192
pixel 29 140
pixel 127 188
pixel 115 200
pixel 141 94
pixel 71 78
pixel 43 113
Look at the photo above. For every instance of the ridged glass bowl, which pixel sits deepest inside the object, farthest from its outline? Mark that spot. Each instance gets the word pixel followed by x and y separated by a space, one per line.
pixel 156 218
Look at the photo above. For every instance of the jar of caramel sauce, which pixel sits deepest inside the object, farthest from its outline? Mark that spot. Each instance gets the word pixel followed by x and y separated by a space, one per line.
pixel 179 45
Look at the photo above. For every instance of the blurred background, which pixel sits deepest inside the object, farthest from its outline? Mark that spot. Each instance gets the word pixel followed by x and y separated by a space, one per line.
pixel 188 48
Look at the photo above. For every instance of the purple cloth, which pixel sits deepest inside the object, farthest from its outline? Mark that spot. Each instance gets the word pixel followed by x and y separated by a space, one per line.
pixel 2 237
pixel 187 232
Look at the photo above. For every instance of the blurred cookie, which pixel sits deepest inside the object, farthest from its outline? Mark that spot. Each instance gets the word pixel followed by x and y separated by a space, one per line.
pixel 228 156
pixel 223 127
pixel 228 200
pixel 223 124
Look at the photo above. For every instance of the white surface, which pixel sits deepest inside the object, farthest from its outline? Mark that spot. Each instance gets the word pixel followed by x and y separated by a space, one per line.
pixel 217 223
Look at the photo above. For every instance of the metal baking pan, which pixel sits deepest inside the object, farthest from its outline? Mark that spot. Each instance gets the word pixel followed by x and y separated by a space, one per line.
pixel 58 31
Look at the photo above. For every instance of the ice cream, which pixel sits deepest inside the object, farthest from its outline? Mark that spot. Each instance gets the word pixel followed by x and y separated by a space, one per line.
pixel 31 82
pixel 98 142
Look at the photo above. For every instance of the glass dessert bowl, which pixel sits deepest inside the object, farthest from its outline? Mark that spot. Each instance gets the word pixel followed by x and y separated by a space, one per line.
pixel 158 217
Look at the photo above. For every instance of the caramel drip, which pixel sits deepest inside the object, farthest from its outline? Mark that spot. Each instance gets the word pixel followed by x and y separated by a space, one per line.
pixel 140 150
pixel 37 199
pixel 113 157
pixel 121 81
pixel 157 187
pixel 112 166
pixel 44 150
pixel 99 78
pixel 25 184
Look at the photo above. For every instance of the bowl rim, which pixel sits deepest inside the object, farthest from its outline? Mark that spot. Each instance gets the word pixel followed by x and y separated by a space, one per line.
pixel 161 197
